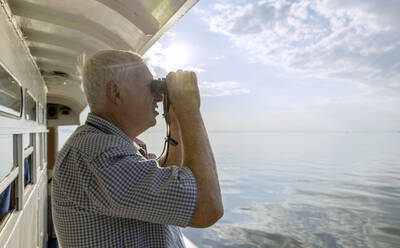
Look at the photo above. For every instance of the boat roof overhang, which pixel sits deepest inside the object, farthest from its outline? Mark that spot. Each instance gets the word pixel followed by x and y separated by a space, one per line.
pixel 58 33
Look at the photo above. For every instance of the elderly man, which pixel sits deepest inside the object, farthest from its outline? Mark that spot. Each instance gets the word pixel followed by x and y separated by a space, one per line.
pixel 106 191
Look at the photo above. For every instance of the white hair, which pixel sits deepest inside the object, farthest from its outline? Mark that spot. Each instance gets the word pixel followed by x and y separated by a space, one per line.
pixel 105 66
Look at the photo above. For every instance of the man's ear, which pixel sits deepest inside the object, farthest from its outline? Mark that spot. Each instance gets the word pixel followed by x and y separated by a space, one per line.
pixel 113 92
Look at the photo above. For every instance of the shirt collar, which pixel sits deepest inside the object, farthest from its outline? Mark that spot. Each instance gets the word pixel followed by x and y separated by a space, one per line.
pixel 106 126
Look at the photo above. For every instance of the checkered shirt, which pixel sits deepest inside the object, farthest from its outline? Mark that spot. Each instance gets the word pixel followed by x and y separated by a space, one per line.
pixel 105 193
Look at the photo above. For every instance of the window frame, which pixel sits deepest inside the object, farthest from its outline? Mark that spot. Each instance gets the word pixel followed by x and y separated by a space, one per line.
pixel 27 92
pixel 8 115
pixel 40 113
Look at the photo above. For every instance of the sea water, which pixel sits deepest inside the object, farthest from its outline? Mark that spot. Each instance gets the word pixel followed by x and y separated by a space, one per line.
pixel 304 189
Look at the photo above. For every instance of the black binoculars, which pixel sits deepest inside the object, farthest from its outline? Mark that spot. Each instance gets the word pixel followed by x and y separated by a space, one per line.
pixel 159 86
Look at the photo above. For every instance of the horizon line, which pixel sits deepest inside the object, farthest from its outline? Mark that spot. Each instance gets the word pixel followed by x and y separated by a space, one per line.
pixel 293 131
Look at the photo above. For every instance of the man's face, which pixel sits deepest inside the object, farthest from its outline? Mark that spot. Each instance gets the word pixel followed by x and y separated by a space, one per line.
pixel 139 103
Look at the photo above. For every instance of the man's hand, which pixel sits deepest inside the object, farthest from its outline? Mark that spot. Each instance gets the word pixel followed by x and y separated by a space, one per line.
pixel 183 92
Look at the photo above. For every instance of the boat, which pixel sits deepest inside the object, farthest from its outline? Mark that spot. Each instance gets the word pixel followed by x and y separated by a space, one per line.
pixel 42 42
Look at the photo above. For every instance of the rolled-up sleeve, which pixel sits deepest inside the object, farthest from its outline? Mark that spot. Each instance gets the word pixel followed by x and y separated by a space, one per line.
pixel 125 184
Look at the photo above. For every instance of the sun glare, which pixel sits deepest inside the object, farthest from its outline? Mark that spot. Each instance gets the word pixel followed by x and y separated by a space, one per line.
pixel 176 56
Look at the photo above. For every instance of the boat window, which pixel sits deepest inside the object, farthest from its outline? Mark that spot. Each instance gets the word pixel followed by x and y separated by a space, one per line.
pixel 30 107
pixel 44 115
pixel 6 155
pixel 28 170
pixel 40 135
pixel 42 148
pixel 7 203
pixel 26 140
pixel 40 114
pixel 45 147
pixel 10 95
pixel 7 193
pixel 29 149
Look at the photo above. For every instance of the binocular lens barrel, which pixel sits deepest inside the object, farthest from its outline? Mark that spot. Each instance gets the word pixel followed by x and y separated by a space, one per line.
pixel 159 86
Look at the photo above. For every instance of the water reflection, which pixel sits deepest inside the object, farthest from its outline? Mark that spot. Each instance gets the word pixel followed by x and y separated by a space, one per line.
pixel 239 237
pixel 315 226
pixel 300 225
pixel 306 191
pixel 392 231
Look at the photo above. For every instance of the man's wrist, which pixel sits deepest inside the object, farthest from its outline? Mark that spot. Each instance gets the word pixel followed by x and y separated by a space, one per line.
pixel 189 116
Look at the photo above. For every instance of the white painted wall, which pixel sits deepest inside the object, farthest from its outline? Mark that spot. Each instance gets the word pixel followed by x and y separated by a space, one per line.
pixel 15 56
pixel 25 228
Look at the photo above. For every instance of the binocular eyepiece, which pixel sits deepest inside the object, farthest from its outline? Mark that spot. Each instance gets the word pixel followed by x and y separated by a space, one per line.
pixel 159 86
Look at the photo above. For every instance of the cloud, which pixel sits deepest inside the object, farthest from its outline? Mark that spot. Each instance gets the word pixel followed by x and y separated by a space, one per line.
pixel 357 41
pixel 213 89
pixel 156 58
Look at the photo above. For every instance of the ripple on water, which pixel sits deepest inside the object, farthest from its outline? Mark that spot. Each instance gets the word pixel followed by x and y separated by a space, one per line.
pixel 392 231
pixel 233 236
pixel 301 225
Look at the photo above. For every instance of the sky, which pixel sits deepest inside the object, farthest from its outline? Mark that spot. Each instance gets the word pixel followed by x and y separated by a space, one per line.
pixel 287 65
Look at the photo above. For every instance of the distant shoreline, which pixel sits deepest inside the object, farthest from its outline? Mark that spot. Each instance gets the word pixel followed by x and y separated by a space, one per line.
pixel 311 132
